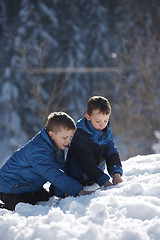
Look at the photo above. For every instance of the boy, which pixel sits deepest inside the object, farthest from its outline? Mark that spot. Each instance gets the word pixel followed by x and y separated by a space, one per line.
pixel 42 159
pixel 93 146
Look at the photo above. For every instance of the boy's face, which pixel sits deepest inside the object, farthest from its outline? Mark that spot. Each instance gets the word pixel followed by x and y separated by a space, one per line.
pixel 62 137
pixel 98 120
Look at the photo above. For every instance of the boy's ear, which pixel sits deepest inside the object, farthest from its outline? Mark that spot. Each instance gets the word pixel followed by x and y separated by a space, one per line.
pixel 51 133
pixel 87 116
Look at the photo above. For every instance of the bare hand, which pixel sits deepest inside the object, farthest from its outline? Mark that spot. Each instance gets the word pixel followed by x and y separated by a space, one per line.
pixel 83 193
pixel 117 178
pixel 107 184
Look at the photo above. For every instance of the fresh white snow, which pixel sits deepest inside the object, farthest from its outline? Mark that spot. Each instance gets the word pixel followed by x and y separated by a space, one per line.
pixel 127 211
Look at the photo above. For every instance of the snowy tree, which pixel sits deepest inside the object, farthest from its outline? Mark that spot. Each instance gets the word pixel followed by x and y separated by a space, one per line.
pixel 40 37
pixel 156 146
pixel 138 85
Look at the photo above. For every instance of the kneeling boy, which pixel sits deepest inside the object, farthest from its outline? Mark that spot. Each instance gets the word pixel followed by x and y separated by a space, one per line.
pixel 41 160
pixel 93 146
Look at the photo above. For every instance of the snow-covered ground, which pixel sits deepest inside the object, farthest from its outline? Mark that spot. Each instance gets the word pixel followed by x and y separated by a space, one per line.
pixel 128 211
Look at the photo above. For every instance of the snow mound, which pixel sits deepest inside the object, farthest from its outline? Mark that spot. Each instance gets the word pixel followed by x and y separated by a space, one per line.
pixel 127 211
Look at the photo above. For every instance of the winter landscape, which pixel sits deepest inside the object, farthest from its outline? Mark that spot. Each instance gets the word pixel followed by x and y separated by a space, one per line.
pixel 128 211
pixel 55 55
pixel 112 48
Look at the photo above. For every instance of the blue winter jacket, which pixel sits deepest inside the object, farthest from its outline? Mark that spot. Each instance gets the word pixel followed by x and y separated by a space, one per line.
pixel 35 164
pixel 90 150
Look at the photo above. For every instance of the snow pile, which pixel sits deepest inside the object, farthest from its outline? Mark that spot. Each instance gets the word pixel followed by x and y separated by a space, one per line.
pixel 128 211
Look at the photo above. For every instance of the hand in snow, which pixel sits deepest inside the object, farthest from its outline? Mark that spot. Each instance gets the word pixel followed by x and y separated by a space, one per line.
pixel 83 192
pixel 117 178
pixel 107 184
pixel 66 195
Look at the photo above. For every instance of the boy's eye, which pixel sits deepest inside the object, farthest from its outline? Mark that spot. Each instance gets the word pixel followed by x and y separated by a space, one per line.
pixel 64 137
pixel 97 121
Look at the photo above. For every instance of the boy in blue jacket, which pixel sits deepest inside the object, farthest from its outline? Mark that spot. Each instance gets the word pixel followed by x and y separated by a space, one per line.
pixel 92 147
pixel 41 160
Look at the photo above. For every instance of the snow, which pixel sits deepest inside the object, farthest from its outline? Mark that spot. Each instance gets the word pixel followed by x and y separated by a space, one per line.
pixel 127 211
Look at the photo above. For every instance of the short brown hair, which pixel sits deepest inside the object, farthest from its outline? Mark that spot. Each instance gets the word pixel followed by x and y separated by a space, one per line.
pixel 98 102
pixel 57 120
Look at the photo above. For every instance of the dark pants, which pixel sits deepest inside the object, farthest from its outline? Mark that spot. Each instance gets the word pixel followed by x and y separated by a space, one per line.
pixel 11 200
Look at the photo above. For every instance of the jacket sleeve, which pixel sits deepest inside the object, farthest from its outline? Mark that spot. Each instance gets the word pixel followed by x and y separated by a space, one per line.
pixel 43 163
pixel 113 161
pixel 82 150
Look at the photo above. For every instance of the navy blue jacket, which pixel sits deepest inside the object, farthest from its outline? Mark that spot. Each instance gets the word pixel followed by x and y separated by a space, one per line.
pixel 35 164
pixel 90 149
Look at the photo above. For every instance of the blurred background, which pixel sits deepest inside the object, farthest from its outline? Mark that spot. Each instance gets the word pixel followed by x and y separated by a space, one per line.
pixel 56 54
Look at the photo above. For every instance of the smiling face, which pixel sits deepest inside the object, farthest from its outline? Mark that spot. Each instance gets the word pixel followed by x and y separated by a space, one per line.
pixel 98 120
pixel 62 138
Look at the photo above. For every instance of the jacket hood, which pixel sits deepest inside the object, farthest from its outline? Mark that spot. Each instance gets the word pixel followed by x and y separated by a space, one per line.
pixel 82 123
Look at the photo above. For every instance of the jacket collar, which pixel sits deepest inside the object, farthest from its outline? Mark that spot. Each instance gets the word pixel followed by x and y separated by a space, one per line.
pixel 87 127
pixel 47 138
